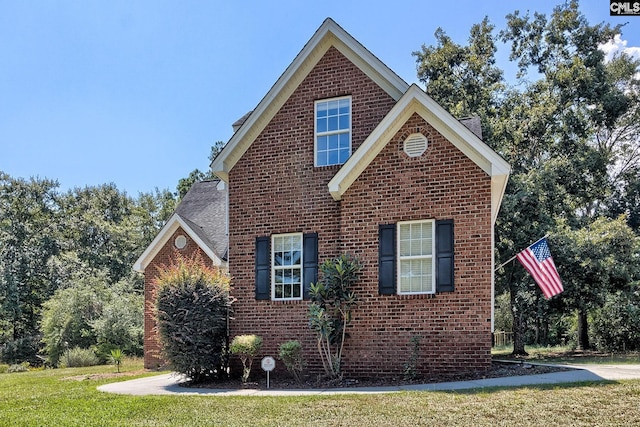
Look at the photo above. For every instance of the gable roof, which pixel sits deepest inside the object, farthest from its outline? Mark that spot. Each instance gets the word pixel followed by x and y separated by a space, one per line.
pixel 329 34
pixel 415 100
pixel 202 214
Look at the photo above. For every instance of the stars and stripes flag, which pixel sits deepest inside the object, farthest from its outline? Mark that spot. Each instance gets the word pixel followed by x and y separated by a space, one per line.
pixel 537 260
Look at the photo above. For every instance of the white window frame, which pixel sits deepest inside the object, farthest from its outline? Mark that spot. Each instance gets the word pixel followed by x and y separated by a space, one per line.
pixel 275 268
pixel 402 258
pixel 329 133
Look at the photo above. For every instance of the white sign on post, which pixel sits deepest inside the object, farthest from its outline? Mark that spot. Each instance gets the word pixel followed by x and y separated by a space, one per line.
pixel 268 364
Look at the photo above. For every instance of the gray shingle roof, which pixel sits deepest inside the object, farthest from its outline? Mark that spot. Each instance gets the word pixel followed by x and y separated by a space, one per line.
pixel 204 209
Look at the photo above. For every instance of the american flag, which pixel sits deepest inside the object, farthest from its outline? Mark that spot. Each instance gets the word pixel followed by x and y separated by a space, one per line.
pixel 537 260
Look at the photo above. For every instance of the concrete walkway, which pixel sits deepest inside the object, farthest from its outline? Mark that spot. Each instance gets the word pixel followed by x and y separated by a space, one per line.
pixel 169 383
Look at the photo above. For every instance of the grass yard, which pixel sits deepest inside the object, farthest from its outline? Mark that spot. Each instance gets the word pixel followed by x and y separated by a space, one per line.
pixel 68 397
pixel 563 355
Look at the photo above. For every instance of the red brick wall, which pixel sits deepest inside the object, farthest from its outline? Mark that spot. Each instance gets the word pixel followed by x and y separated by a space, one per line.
pixel 152 359
pixel 274 188
pixel 455 327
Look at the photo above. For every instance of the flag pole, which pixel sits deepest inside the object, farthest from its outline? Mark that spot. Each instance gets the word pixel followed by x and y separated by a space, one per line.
pixel 514 257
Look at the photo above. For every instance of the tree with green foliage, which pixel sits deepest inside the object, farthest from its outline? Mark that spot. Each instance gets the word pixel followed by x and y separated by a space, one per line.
pixel 29 231
pixel 192 312
pixel 595 261
pixel 68 315
pixel 568 127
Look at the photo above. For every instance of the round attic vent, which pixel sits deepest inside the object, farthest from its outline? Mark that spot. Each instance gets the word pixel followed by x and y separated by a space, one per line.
pixel 415 145
pixel 181 242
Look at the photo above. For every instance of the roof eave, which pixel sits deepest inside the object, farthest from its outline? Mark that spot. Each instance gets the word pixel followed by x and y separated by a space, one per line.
pixel 329 34
pixel 161 239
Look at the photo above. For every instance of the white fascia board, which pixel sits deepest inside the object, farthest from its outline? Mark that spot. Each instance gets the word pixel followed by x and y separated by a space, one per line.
pixel 329 34
pixel 415 100
pixel 163 237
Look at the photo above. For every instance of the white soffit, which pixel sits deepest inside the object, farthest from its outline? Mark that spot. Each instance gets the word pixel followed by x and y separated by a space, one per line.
pixel 329 34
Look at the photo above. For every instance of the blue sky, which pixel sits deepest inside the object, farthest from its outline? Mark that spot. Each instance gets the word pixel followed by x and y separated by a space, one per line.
pixel 136 92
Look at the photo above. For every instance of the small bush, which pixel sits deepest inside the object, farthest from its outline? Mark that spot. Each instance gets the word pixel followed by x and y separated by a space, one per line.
pixel 411 367
pixel 246 347
pixel 4 368
pixel 290 353
pixel 79 357
pixel 19 367
pixel 116 357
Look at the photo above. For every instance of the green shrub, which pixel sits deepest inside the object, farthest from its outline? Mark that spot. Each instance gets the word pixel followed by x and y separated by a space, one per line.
pixel 290 353
pixel 330 310
pixel 192 310
pixel 411 366
pixel 18 367
pixel 616 325
pixel 4 368
pixel 246 347
pixel 78 357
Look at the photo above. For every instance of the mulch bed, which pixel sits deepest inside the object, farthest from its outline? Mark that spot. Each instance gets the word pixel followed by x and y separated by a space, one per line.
pixel 282 381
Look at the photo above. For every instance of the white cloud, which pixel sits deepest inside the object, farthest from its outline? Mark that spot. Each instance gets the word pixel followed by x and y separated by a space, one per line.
pixel 617 45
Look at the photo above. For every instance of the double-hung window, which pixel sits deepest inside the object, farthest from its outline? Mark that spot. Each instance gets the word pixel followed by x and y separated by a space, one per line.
pixel 286 256
pixel 332 131
pixel 416 267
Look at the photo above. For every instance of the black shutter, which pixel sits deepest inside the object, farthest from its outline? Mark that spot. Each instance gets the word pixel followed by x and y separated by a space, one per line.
pixel 444 256
pixel 387 259
pixel 263 267
pixel 310 262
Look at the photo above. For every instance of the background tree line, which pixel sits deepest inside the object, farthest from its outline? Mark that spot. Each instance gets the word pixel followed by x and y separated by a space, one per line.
pixel 66 260
pixel 569 125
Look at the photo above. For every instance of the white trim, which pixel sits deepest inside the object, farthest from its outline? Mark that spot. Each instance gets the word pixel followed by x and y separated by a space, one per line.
pixel 273 266
pixel 329 34
pixel 404 258
pixel 316 134
pixel 163 237
pixel 415 100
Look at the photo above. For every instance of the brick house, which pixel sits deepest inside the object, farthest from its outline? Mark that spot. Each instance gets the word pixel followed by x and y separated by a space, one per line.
pixel 343 156
pixel 198 225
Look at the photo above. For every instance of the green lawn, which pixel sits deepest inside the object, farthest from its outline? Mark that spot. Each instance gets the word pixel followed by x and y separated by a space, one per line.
pixel 51 398
pixel 563 355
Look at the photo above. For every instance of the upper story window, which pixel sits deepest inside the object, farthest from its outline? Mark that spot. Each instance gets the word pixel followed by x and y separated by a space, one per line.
pixel 416 246
pixel 287 266
pixel 333 131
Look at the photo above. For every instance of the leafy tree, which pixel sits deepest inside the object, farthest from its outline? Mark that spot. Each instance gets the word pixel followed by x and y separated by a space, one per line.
pixel 121 322
pixel 28 239
pixel 594 261
pixel 68 316
pixel 192 309
pixel 463 79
